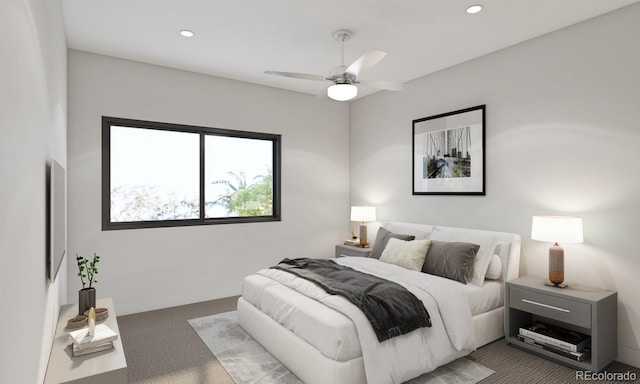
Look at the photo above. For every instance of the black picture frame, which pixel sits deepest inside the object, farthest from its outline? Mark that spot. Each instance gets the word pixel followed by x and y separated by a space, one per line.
pixel 449 153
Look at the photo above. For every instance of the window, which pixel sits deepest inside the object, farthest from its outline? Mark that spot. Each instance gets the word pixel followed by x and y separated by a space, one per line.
pixel 160 174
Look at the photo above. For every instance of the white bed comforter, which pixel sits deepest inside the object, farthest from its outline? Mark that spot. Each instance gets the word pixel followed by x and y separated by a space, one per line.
pixel 404 357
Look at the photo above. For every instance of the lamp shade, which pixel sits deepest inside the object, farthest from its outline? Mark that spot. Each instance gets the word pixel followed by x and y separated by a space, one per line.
pixel 557 229
pixel 342 92
pixel 359 213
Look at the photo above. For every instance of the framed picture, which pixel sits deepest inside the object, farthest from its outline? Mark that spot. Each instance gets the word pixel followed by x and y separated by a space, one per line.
pixel 448 153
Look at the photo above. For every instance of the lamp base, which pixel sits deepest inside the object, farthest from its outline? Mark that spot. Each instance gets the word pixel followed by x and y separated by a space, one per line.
pixel 556 265
pixel 363 235
pixel 550 284
pixel 359 243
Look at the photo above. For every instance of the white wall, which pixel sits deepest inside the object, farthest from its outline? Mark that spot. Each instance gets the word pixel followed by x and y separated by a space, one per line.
pixel 147 269
pixel 33 109
pixel 562 137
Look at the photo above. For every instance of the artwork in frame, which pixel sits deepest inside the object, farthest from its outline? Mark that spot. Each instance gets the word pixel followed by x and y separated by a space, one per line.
pixel 448 153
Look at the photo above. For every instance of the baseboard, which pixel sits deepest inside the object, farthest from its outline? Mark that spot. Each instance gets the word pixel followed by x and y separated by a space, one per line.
pixel 628 356
pixel 127 307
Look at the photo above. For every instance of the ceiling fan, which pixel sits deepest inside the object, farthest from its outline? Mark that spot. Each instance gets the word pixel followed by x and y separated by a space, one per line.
pixel 344 77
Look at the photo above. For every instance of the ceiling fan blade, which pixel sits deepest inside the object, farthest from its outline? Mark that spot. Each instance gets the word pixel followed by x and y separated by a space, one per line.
pixel 366 61
pixel 305 76
pixel 386 85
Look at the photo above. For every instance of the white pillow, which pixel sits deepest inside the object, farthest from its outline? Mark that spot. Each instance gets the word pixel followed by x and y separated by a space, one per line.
pixel 503 249
pixel 495 268
pixel 486 242
pixel 406 254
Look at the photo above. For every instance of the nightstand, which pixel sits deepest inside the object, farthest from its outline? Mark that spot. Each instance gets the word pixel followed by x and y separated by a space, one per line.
pixel 577 308
pixel 352 250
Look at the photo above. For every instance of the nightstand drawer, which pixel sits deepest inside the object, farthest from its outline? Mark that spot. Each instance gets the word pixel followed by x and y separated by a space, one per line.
pixel 568 311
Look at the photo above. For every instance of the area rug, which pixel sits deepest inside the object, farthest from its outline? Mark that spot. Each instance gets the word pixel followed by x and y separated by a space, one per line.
pixel 248 363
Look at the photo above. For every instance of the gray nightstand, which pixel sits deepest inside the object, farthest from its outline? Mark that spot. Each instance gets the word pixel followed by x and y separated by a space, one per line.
pixel 577 308
pixel 351 250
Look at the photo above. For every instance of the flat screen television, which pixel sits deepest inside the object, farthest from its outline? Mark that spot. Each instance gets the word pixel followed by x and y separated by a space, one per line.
pixel 57 233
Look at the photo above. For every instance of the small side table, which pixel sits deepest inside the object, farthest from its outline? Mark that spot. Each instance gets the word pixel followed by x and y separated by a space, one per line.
pixel 107 367
pixel 343 250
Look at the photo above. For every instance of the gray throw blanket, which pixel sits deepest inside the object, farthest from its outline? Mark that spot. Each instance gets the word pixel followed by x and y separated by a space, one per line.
pixel 390 308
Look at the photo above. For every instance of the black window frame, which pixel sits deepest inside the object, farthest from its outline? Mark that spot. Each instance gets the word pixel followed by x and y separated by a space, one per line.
pixel 108 122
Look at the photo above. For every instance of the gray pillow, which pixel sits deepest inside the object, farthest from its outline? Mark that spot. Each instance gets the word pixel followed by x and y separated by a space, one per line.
pixel 382 238
pixel 452 260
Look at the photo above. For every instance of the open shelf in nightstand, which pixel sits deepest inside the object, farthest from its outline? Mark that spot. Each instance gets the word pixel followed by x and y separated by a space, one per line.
pixel 521 318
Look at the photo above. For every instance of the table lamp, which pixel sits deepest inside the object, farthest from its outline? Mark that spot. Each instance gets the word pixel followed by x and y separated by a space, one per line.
pixel 556 229
pixel 363 214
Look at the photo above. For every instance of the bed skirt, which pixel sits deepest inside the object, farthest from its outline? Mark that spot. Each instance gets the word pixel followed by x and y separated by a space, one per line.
pixel 293 352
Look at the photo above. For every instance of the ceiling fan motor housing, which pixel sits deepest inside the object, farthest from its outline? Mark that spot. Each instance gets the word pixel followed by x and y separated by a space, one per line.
pixel 339 76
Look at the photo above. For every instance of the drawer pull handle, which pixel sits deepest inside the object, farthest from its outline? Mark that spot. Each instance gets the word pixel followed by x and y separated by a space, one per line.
pixel 546 306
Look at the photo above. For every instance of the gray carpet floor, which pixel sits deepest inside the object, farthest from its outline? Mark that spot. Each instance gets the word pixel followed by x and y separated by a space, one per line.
pixel 162 348
pixel 248 362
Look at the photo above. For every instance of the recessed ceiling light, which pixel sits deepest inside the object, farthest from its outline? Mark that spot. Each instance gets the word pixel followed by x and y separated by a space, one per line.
pixel 474 9
pixel 186 33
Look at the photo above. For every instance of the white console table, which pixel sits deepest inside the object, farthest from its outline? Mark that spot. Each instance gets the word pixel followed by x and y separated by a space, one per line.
pixel 106 367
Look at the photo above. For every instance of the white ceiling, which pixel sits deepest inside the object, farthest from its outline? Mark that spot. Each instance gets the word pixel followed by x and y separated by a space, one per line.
pixel 240 39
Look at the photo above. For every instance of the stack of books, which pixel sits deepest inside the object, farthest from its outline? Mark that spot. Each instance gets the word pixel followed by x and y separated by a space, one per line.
pixel 83 343
pixel 573 345
pixel 352 242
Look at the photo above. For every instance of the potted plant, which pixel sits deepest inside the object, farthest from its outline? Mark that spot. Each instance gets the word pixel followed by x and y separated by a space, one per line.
pixel 87 269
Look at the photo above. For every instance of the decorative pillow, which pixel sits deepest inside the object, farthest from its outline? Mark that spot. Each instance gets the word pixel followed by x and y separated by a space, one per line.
pixel 483 257
pixel 407 254
pixel 382 237
pixel 495 268
pixel 453 260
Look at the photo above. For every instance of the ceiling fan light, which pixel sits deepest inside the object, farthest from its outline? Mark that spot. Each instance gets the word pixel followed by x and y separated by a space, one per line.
pixel 342 92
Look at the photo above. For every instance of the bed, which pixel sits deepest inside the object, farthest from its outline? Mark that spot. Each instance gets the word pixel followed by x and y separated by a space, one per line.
pixel 324 339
